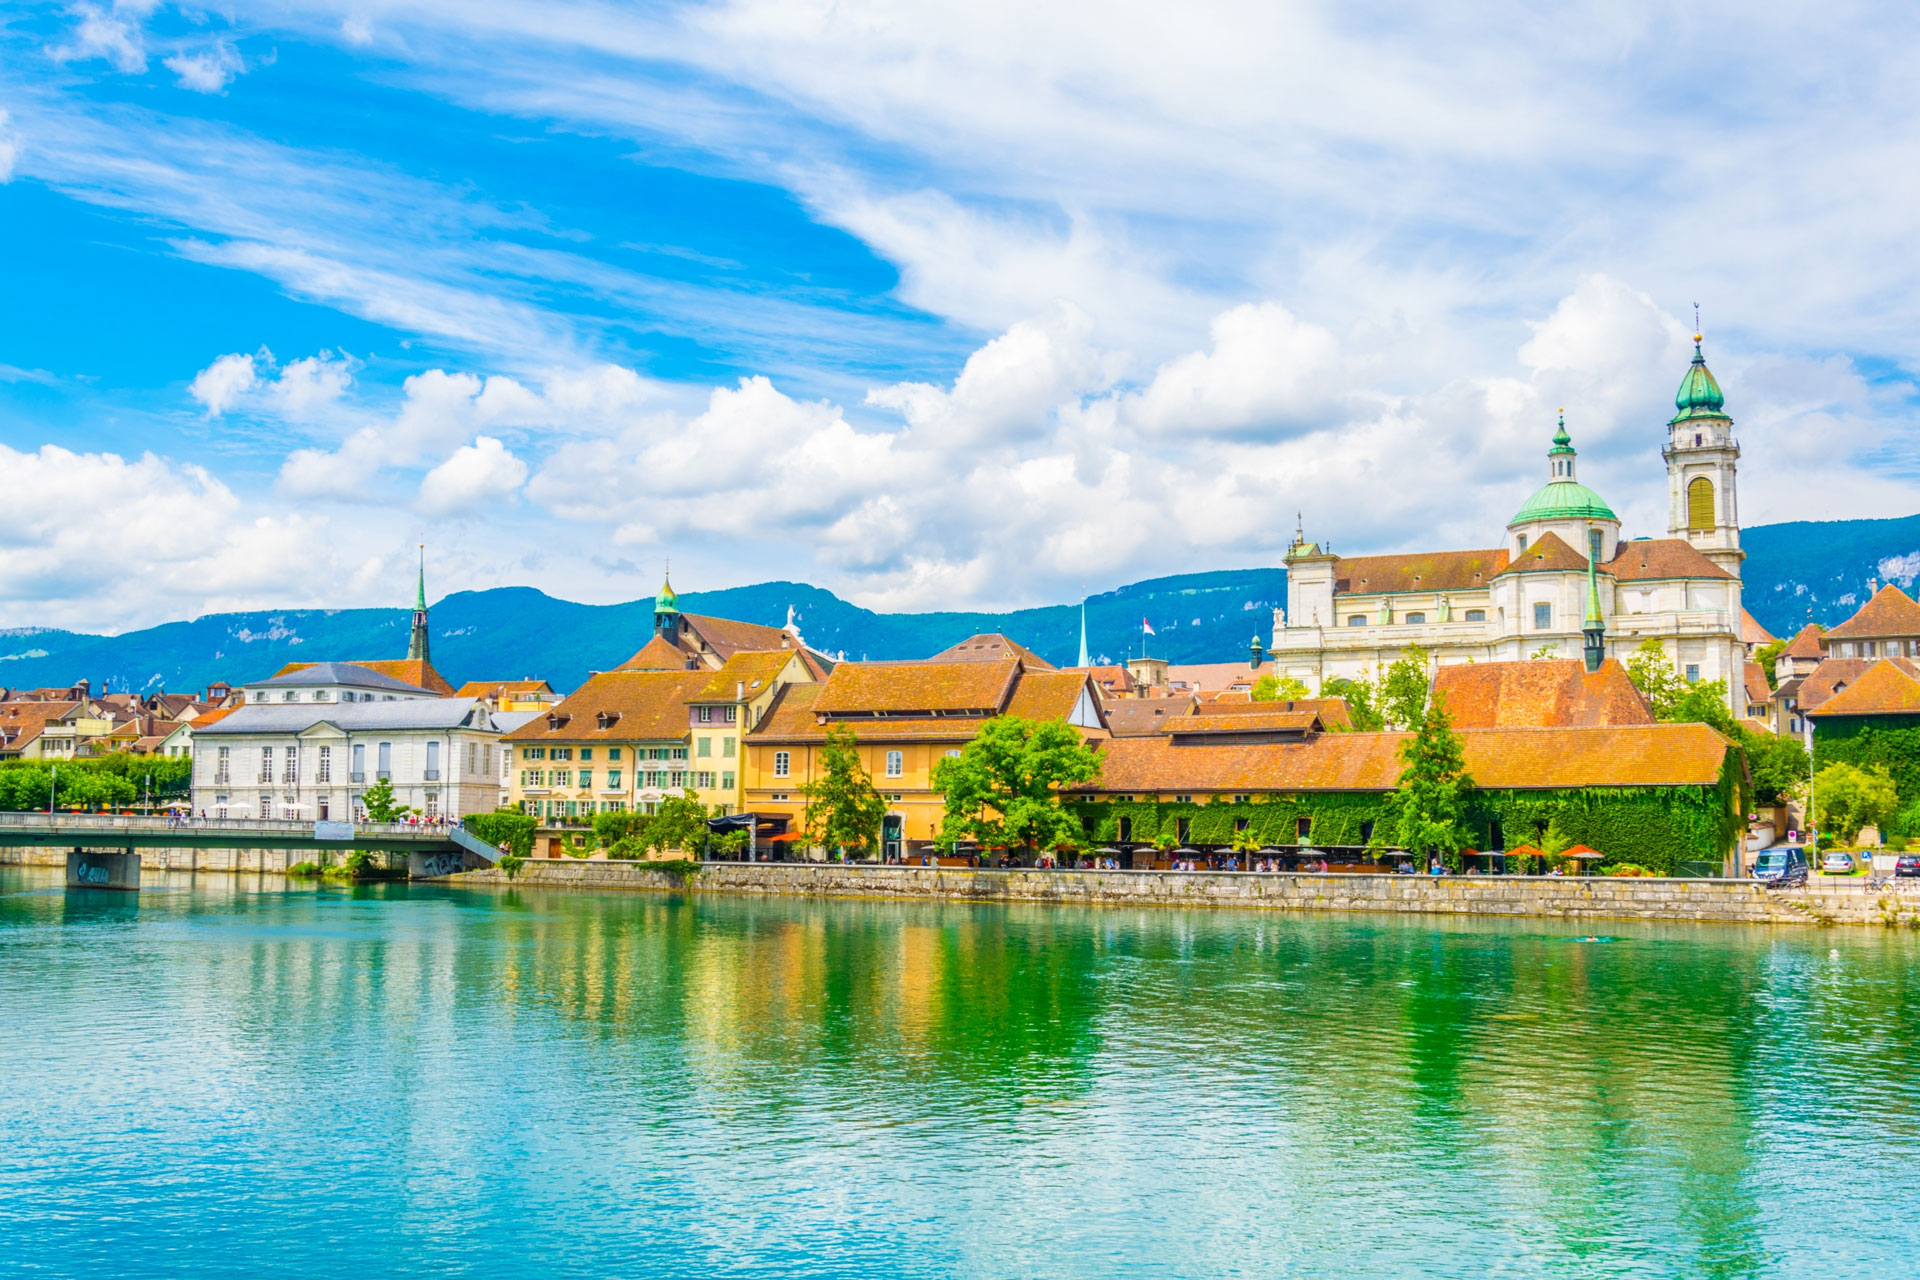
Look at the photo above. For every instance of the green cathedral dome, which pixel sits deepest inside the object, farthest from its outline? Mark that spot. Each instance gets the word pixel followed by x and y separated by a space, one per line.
pixel 1564 500
pixel 1699 395
pixel 666 601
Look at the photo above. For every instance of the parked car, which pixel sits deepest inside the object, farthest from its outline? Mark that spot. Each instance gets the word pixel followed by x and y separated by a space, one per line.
pixel 1908 866
pixel 1785 864
pixel 1838 862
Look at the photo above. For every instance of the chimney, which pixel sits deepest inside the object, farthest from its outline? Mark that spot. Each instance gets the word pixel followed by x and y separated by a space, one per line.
pixel 739 690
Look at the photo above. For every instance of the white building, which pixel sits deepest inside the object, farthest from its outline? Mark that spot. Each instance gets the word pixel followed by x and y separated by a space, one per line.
pixel 1561 571
pixel 315 759
pixel 332 682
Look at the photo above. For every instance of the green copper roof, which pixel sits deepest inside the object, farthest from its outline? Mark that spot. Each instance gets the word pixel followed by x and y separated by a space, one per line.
pixel 420 592
pixel 666 601
pixel 1564 500
pixel 1699 395
pixel 1562 442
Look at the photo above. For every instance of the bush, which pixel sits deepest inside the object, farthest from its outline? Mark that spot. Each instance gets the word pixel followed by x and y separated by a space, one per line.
pixel 612 828
pixel 511 864
pixel 504 826
pixel 1628 869
pixel 304 869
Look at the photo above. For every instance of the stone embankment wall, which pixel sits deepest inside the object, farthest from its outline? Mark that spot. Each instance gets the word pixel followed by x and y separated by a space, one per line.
pixel 166 859
pixel 1567 898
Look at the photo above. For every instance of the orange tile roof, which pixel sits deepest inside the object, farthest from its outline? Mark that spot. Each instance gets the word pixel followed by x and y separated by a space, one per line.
pixel 1207 677
pixel 1322 707
pixel 727 637
pixel 1115 679
pixel 1806 643
pixel 1049 694
pixel 1891 612
pixel 902 688
pixel 797 709
pixel 1268 717
pixel 1655 559
pixel 212 717
pixel 414 671
pixel 1884 689
pixel 493 688
pixel 1836 675
pixel 22 721
pixel 1758 690
pixel 658 654
pixel 1541 693
pixel 1549 554
pixel 1497 759
pixel 641 705
pixel 991 646
pixel 1420 571
pixel 1751 632
pixel 753 668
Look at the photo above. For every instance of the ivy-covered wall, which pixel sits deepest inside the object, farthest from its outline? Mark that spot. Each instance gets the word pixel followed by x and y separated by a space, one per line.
pixel 1654 827
pixel 1889 741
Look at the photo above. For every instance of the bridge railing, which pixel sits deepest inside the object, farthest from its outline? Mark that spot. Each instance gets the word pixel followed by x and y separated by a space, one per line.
pixel 71 824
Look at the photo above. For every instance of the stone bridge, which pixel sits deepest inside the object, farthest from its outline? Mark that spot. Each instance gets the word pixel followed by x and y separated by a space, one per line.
pixel 431 850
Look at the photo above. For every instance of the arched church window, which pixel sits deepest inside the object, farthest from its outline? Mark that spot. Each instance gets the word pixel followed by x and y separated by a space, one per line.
pixel 1523 542
pixel 1700 503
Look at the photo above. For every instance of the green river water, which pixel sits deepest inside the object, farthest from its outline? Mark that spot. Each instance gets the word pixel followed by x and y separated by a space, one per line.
pixel 229 1075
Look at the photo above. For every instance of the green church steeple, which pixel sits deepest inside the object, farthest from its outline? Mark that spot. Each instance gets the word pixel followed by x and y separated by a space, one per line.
pixel 417 638
pixel 1699 395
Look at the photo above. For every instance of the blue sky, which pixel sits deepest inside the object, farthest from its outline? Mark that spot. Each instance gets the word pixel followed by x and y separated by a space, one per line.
pixel 931 306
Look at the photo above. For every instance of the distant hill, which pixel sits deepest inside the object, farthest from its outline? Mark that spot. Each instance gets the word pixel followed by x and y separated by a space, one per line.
pixel 1793 572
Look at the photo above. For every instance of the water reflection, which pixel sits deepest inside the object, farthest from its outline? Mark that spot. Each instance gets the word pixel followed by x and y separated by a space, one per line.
pixel 620 1082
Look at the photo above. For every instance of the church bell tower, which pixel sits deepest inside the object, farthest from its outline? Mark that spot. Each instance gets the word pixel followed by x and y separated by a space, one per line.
pixel 1702 456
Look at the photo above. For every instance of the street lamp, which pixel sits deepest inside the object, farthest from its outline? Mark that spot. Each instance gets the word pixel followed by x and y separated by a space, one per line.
pixel 53 780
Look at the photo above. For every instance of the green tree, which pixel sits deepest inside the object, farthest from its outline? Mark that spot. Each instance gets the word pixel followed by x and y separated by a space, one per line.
pixel 1273 688
pixel 1778 764
pixel 380 805
pixel 1003 787
pixel 1362 697
pixel 679 823
pixel 628 824
pixel 1652 673
pixel 843 811
pixel 1768 654
pixel 1433 786
pixel 1403 690
pixel 1847 798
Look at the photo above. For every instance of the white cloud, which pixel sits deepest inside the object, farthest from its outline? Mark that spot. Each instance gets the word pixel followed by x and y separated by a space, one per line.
pixel 475 476
pixel 9 148
pixel 208 70
pixel 1268 372
pixel 308 384
pixel 113 34
pixel 221 384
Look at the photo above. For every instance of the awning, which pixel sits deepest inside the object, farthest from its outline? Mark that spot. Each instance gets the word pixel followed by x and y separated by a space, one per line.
pixel 791 835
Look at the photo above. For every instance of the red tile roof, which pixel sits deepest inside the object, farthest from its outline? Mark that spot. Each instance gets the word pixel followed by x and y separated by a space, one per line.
pixel 992 647
pixel 1751 632
pixel 1501 759
pixel 1333 712
pixel 753 668
pixel 1836 675
pixel 1656 559
pixel 899 690
pixel 1420 571
pixel 658 654
pixel 1806 642
pixel 1887 687
pixel 1130 717
pixel 1542 693
pixel 1550 554
pixel 1759 692
pixel 22 721
pixel 1891 612
pixel 638 705
pixel 493 688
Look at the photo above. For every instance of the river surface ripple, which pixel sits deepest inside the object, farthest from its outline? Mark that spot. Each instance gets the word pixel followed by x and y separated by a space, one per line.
pixel 228 1075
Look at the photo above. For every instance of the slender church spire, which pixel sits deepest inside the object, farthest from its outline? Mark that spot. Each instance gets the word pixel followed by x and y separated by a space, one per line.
pixel 417 641
pixel 1594 629
pixel 1085 660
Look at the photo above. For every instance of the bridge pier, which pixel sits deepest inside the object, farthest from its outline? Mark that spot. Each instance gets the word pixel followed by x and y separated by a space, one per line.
pixel 92 869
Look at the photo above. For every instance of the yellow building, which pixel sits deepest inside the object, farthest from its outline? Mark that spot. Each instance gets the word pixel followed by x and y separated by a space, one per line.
pixel 626 740
pixel 510 695
pixel 906 717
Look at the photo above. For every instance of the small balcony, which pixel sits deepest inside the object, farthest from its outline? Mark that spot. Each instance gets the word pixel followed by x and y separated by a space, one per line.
pixel 433 775
pixel 384 775
pixel 357 776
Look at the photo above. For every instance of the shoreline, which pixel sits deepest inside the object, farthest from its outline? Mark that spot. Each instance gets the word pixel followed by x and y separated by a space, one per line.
pixel 1643 898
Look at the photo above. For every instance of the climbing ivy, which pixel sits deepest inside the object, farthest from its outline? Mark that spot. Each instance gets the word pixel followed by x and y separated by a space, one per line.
pixel 1890 742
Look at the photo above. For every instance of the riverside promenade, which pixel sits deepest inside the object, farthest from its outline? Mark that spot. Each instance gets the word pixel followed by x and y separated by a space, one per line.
pixel 1597 898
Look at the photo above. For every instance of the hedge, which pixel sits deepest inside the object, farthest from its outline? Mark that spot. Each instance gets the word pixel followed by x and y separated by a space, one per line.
pixel 504 826
pixel 1652 827
pixel 1891 742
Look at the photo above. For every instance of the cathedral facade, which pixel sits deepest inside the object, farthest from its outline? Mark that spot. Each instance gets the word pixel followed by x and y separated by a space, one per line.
pixel 1562 583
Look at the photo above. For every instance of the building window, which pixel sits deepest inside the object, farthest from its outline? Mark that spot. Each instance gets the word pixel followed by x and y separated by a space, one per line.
pixel 220 766
pixel 782 764
pixel 290 772
pixel 220 805
pixel 533 753
pixel 705 715
pixel 676 778
pixel 1125 830
pixel 433 804
pixel 1476 615
pixel 613 753
pixel 676 753
pixel 1302 828
pixel 613 779
pixel 1523 542
pixel 433 762
pixel 706 745
pixel 386 760
pixel 323 768
pixel 562 777
pixel 1241 824
pixel 1699 504
pixel 1357 620
pixel 726 747
pixel 1180 829
pixel 562 753
pixel 779 795
pixel 732 714
pixel 896 764
pixel 1366 832
pixel 1543 617
pixel 1415 618
pixel 586 779
pixel 359 762
pixel 726 782
pixel 1693 673
pixel 703 780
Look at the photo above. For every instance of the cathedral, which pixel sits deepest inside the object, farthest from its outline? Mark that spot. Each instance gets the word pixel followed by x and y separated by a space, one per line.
pixel 1562 583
